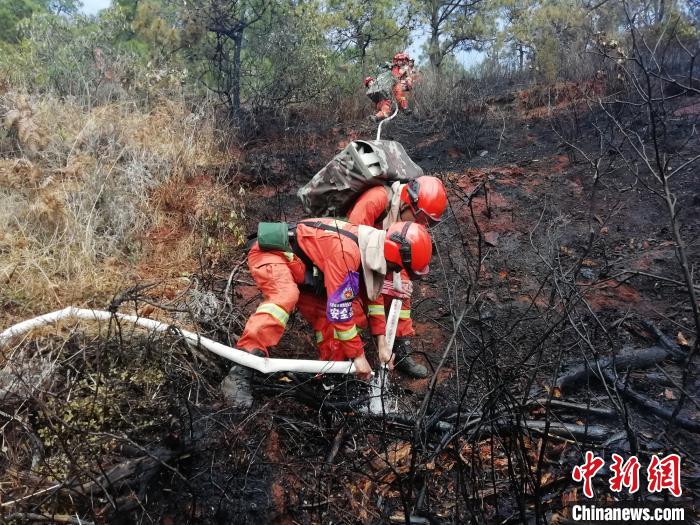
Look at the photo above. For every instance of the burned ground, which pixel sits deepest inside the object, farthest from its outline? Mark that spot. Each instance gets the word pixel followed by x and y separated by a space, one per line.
pixel 540 266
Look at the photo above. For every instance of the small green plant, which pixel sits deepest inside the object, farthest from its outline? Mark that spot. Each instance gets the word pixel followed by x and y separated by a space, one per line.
pixel 112 395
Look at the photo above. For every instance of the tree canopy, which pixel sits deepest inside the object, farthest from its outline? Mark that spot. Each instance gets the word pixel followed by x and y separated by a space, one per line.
pixel 262 53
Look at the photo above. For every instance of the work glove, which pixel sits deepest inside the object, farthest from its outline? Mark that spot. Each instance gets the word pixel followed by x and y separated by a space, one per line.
pixel 404 293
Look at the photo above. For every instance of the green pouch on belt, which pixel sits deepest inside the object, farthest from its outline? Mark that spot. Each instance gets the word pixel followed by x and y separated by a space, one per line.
pixel 274 236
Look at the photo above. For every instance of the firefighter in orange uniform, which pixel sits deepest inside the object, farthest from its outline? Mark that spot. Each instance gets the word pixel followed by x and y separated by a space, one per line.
pixel 379 97
pixel 345 256
pixel 395 81
pixel 403 72
pixel 423 200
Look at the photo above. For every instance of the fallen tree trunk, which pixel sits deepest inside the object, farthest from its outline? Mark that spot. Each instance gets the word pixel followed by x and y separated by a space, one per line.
pixel 590 433
pixel 578 407
pixel 128 473
pixel 654 407
pixel 602 370
pixel 665 341
pixel 624 360
pixel 33 517
pixel 140 470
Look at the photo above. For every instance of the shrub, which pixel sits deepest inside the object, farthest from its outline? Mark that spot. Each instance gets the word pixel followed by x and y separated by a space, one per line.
pixel 74 216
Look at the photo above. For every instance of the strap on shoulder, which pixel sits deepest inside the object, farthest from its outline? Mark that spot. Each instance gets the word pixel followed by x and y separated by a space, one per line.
pixel 327 227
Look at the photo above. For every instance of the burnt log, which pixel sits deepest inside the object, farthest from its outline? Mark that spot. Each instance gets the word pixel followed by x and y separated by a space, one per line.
pixel 654 407
pixel 629 359
pixel 578 408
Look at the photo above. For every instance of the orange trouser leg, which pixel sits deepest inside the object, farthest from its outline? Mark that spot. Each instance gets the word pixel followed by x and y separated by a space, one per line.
pixel 383 109
pixel 274 279
pixel 400 95
pixel 405 327
pixel 313 309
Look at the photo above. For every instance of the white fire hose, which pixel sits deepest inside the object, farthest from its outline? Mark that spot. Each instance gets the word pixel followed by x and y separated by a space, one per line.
pixel 380 382
pixel 379 128
pixel 265 365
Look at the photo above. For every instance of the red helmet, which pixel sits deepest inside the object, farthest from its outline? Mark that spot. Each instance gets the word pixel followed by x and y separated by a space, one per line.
pixel 401 56
pixel 409 245
pixel 368 80
pixel 425 195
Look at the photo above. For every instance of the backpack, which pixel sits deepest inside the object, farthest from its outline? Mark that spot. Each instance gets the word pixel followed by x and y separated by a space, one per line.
pixel 360 166
pixel 381 88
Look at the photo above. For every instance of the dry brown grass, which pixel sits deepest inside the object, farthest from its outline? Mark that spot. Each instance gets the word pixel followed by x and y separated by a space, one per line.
pixel 20 119
pixel 80 219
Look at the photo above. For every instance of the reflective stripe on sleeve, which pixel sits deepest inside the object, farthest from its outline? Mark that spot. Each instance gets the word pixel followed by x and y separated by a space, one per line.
pixel 375 309
pixel 405 314
pixel 319 336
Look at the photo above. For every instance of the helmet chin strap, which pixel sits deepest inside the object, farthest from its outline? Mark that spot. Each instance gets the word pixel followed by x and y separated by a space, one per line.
pixel 392 267
pixel 405 250
pixel 412 189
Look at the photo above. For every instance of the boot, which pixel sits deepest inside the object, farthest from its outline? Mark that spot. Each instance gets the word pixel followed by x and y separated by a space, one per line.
pixel 236 386
pixel 403 361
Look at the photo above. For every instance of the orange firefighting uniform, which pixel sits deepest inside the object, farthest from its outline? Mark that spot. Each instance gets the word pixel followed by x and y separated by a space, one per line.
pixel 402 85
pixel 279 275
pixel 370 209
pixel 383 108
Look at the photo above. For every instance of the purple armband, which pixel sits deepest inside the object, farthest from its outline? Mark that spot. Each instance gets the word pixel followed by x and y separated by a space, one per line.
pixel 339 306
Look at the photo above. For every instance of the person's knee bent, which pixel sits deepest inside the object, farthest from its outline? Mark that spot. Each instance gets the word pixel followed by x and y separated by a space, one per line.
pixel 286 296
